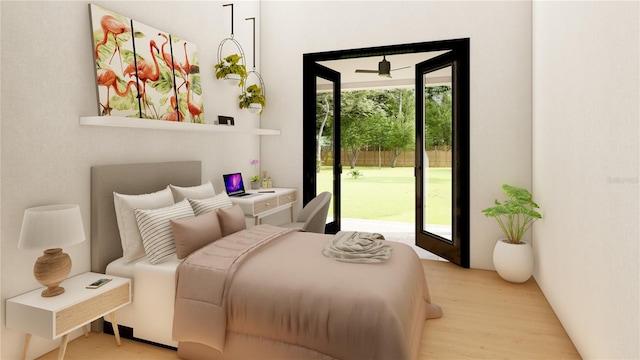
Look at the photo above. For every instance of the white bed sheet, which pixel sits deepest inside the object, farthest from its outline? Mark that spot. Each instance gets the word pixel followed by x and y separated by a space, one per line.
pixel 150 314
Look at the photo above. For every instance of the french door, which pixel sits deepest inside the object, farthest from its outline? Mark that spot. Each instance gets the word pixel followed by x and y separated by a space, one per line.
pixel 442 117
pixel 319 120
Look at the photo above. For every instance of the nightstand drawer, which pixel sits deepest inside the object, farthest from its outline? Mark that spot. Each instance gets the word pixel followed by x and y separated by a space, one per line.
pixel 287 198
pixel 264 205
pixel 94 307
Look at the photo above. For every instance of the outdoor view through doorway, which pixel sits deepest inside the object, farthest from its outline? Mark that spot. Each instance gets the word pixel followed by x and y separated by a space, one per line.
pixel 391 145
pixel 377 150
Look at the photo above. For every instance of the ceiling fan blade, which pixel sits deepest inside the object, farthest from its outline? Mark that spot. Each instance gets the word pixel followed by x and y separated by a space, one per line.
pixel 400 68
pixel 367 71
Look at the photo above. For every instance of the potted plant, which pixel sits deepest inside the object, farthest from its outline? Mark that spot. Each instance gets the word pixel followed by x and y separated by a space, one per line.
pixel 513 257
pixel 231 70
pixel 253 99
pixel 255 179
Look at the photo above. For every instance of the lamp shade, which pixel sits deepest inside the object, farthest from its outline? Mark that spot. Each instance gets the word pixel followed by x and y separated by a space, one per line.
pixel 51 226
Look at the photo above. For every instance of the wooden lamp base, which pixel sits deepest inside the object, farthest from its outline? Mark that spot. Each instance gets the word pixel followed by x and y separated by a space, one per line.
pixel 51 269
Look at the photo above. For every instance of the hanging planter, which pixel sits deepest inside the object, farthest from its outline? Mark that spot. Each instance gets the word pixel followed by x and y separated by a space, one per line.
pixel 253 97
pixel 231 68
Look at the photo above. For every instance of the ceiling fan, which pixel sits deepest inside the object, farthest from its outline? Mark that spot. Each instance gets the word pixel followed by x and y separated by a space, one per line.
pixel 384 68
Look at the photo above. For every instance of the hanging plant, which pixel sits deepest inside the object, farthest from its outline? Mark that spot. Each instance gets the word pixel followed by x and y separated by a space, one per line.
pixel 230 65
pixel 253 97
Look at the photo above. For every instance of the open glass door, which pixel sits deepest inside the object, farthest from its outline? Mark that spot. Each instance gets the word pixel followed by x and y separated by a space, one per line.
pixel 442 156
pixel 321 110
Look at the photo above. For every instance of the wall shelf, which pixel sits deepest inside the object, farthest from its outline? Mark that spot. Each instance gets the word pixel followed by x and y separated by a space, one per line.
pixel 120 121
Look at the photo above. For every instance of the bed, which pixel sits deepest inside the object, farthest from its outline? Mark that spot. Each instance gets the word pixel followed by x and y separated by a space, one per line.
pixel 279 297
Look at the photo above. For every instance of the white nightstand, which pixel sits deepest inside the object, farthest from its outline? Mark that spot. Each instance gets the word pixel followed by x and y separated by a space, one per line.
pixel 52 317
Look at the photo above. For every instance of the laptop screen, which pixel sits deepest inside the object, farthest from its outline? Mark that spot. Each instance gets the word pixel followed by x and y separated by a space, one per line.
pixel 233 183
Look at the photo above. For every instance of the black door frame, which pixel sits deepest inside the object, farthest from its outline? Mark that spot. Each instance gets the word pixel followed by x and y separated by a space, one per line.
pixel 455 249
pixel 309 132
pixel 309 106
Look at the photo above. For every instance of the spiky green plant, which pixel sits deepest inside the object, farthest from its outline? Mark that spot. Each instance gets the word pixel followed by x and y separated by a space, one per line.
pixel 516 214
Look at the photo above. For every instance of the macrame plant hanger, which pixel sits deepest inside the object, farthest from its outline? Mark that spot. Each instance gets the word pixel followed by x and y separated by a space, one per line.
pixel 255 108
pixel 233 80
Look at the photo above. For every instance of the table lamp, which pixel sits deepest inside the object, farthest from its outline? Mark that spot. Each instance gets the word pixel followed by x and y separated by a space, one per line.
pixel 51 227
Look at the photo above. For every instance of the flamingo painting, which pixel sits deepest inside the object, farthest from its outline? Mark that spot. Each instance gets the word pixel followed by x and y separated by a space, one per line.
pixel 109 79
pixel 151 81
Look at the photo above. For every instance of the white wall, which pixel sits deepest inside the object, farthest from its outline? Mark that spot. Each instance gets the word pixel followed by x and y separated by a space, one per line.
pixel 500 34
pixel 48 82
pixel 585 170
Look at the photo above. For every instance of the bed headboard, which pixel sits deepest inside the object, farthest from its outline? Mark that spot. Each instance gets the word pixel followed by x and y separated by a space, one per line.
pixel 128 179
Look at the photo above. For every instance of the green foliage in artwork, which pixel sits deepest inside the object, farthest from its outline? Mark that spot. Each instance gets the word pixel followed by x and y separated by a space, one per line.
pixel 129 102
pixel 182 103
pixel 165 81
pixel 196 86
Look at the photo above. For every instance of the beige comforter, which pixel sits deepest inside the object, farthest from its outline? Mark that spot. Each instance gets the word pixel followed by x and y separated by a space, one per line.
pixel 270 283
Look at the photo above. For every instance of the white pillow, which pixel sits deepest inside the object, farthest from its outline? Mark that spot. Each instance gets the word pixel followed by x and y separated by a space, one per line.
pixel 192 192
pixel 201 206
pixel 125 206
pixel 155 229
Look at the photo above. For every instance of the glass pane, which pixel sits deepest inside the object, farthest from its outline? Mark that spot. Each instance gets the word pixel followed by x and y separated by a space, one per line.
pixel 324 140
pixel 437 186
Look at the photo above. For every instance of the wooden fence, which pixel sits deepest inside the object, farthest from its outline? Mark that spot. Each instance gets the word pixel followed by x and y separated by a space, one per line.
pixel 437 158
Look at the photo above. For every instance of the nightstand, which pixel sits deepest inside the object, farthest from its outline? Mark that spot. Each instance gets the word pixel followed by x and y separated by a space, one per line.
pixel 53 317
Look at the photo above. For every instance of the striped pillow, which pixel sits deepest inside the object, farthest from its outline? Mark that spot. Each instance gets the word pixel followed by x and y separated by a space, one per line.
pixel 201 206
pixel 156 232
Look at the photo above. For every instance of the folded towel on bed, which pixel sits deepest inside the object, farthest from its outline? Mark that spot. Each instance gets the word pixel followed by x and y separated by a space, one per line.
pixel 355 246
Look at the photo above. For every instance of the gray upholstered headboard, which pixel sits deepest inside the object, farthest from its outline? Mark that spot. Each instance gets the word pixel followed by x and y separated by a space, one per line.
pixel 128 179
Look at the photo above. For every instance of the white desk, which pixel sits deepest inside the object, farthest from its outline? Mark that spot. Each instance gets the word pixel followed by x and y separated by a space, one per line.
pixel 269 201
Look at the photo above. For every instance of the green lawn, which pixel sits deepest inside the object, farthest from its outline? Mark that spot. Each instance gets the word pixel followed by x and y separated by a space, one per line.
pixel 388 194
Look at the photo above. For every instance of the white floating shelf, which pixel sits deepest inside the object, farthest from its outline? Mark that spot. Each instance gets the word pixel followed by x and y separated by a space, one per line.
pixel 120 121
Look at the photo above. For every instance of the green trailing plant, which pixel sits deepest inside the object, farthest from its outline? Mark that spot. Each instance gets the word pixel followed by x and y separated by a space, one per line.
pixel 253 95
pixel 516 214
pixel 231 65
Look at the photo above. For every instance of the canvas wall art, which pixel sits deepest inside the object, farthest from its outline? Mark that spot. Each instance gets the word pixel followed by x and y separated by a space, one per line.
pixel 143 72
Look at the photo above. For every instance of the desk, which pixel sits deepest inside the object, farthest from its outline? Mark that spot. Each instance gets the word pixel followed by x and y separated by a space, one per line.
pixel 266 203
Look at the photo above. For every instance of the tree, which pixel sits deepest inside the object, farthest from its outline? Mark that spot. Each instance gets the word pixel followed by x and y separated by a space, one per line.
pixel 438 115
pixel 326 109
pixel 358 110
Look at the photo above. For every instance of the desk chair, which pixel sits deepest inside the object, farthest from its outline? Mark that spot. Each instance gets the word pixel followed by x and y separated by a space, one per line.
pixel 313 216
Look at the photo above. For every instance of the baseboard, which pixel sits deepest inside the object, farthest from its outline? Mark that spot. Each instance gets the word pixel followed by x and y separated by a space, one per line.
pixel 127 333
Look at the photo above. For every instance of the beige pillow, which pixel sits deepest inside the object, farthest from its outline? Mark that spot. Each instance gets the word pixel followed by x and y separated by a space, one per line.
pixel 125 206
pixel 191 234
pixel 192 192
pixel 231 220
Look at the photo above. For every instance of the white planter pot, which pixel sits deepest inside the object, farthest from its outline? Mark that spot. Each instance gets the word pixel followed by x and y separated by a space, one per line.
pixel 255 108
pixel 232 79
pixel 513 262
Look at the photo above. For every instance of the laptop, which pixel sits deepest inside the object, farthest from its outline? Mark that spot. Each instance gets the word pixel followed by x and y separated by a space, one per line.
pixel 234 185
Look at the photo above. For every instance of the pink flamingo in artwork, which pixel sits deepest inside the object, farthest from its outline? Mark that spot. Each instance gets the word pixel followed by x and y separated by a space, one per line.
pixel 145 71
pixel 108 78
pixel 174 115
pixel 166 56
pixel 111 25
pixel 194 109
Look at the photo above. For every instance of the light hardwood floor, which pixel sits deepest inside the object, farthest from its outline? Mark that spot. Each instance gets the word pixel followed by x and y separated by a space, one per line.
pixel 484 317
